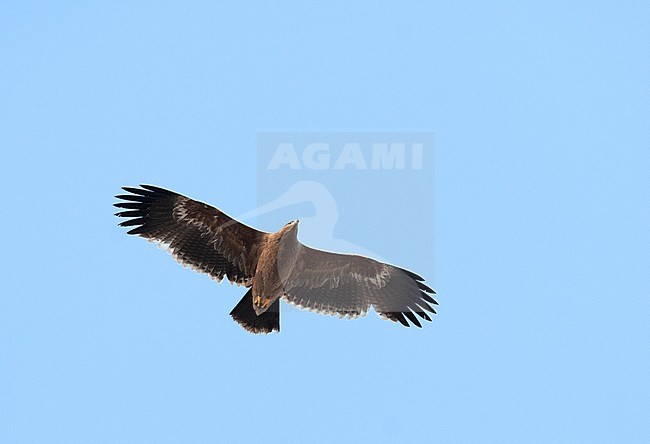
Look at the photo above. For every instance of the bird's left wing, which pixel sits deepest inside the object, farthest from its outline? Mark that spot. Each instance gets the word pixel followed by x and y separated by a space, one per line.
pixel 196 234
pixel 347 285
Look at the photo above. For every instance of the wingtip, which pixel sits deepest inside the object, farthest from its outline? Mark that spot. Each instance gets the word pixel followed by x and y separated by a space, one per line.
pixel 425 287
pixel 155 189
pixel 414 320
pixel 397 316
pixel 137 230
pixel 412 275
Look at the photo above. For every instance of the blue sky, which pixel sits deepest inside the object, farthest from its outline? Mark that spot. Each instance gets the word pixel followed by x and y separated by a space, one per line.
pixel 540 115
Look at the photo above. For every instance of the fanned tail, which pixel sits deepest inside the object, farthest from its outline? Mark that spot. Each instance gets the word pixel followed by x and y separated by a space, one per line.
pixel 245 315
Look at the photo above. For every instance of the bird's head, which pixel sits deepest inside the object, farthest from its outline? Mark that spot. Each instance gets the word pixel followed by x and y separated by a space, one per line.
pixel 291 227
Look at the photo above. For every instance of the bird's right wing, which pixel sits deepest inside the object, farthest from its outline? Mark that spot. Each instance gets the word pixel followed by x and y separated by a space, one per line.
pixel 348 285
pixel 196 234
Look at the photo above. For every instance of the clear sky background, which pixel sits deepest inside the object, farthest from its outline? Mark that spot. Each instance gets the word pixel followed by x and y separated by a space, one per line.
pixel 540 113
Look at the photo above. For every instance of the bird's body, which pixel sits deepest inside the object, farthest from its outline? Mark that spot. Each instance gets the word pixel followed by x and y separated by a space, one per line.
pixel 273 265
pixel 267 285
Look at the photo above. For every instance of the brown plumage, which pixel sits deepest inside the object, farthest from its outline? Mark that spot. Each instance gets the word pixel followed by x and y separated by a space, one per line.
pixel 273 266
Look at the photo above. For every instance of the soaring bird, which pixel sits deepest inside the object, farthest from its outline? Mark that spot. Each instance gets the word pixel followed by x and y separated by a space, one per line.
pixel 272 266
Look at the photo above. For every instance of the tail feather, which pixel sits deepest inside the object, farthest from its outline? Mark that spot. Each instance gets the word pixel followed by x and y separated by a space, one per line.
pixel 245 315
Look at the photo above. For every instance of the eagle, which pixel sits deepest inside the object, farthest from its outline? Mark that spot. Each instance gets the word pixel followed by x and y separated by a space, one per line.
pixel 272 266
